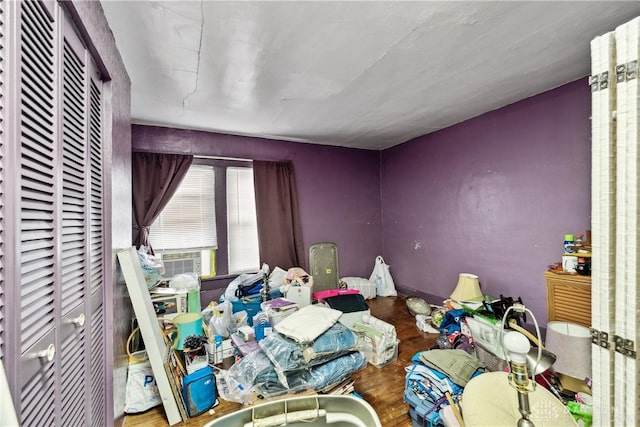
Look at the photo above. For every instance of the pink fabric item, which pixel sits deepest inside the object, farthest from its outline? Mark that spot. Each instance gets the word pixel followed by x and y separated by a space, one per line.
pixel 333 292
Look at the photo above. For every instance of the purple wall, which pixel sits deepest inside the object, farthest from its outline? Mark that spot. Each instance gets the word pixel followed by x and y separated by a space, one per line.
pixel 492 196
pixel 339 188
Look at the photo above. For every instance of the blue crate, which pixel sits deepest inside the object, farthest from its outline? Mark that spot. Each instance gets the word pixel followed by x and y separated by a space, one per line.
pixel 251 304
pixel 421 412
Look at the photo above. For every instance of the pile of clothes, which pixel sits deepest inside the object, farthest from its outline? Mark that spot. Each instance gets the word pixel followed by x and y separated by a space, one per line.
pixel 436 379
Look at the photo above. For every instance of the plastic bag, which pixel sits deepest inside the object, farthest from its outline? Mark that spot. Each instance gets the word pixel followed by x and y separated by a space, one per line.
pixel 141 392
pixel 152 267
pixel 277 278
pixel 240 319
pixel 230 389
pixel 382 278
pixel 238 383
pixel 230 292
pixel 186 281
pixel 221 319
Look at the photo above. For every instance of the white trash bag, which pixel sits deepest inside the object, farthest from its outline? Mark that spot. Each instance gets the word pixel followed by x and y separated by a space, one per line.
pixel 141 392
pixel 382 278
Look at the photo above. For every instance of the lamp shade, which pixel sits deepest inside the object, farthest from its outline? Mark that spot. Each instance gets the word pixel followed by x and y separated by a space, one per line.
pixel 571 344
pixel 188 324
pixel 467 289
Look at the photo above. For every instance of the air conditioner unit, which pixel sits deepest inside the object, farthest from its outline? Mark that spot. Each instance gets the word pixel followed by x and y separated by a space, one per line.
pixel 182 262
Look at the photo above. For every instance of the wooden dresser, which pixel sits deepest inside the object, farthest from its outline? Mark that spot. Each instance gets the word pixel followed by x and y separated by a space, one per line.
pixel 568 298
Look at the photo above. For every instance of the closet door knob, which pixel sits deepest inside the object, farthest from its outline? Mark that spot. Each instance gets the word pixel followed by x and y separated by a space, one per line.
pixel 47 354
pixel 79 321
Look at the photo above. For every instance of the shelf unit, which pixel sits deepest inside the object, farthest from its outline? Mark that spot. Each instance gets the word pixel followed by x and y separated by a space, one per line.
pixel 568 298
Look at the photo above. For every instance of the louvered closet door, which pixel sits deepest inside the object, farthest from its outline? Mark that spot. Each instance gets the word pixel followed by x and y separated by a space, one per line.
pixel 37 217
pixel 96 316
pixel 61 375
pixel 3 148
pixel 73 230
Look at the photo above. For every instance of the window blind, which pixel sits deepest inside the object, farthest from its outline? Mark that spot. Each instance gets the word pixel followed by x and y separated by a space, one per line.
pixel 241 221
pixel 189 219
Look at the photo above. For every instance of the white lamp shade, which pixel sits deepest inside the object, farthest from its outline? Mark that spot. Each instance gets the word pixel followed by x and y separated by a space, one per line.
pixel 571 344
pixel 467 289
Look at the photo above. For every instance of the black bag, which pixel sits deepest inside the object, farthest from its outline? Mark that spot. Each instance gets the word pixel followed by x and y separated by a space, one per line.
pixel 250 286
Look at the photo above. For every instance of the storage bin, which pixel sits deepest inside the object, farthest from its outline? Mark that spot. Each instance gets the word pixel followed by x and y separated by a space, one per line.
pixel 307 411
pixel 377 339
pixel 249 304
pixel 432 420
pixel 352 305
pixel 387 357
pixel 327 293
pixel 422 412
pixel 366 287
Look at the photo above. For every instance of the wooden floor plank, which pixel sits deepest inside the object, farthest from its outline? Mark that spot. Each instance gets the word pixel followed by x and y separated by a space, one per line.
pixel 381 387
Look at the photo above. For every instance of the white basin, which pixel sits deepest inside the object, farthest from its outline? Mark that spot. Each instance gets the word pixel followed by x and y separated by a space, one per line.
pixel 315 411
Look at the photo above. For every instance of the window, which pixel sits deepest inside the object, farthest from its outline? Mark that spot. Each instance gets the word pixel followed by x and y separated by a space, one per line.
pixel 241 220
pixel 209 226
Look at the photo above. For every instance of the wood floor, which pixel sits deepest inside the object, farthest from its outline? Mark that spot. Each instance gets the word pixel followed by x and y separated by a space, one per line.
pixel 380 387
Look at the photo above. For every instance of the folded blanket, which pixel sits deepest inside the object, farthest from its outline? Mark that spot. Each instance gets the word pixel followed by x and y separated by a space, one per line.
pixel 306 324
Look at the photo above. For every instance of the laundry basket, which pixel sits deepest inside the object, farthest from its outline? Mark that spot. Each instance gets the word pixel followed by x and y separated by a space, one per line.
pixel 314 411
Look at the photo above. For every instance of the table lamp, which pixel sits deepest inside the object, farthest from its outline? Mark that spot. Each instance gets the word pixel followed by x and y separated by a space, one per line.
pixel 571 344
pixel 467 289
pixel 517 347
pixel 512 399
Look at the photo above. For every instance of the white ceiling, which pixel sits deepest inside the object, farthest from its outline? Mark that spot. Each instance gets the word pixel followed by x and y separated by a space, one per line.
pixel 353 73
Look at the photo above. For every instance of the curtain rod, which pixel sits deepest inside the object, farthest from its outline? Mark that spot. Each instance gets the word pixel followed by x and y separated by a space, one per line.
pixel 197 156
pixel 222 158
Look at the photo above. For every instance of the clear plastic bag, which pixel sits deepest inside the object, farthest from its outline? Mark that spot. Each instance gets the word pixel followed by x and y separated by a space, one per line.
pixel 315 378
pixel 230 389
pixel 152 267
pixel 240 319
pixel 238 383
pixel 288 355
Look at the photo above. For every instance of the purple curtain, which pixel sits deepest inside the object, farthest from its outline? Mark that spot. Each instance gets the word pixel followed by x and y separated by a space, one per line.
pixel 155 178
pixel 279 228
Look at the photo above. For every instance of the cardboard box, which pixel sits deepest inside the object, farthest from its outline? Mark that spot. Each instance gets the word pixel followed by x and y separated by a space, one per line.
pixel 169 304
